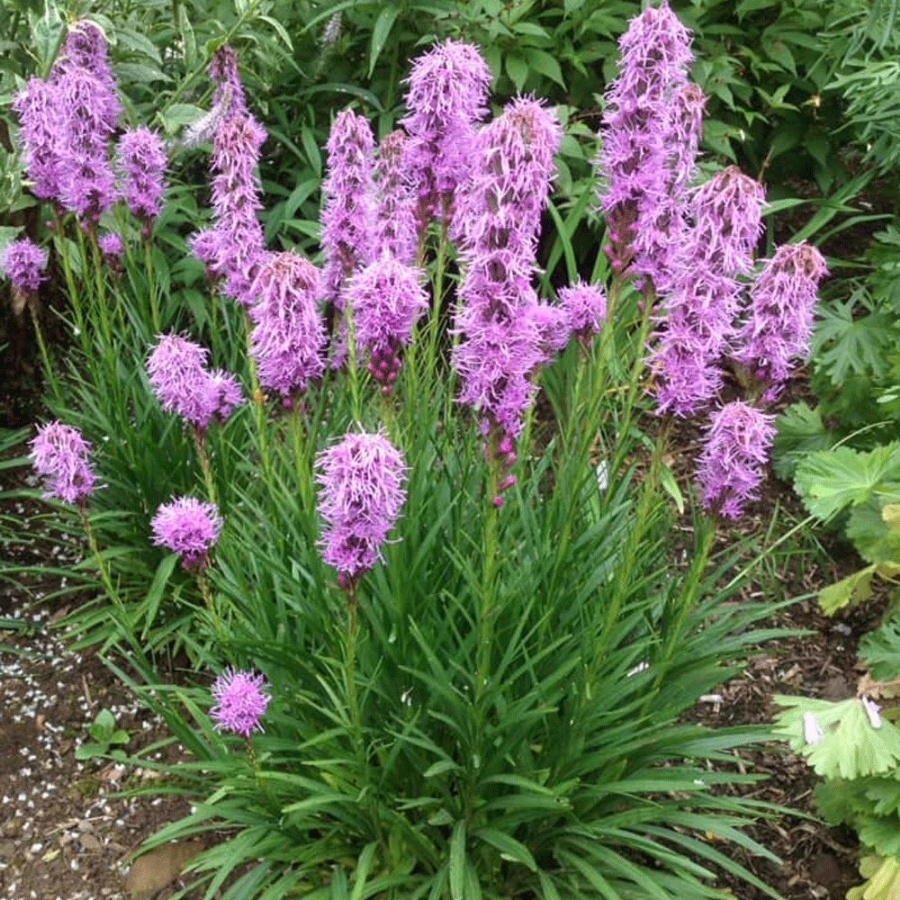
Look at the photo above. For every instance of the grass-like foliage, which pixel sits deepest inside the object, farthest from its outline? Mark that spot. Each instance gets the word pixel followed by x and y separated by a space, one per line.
pixel 417 523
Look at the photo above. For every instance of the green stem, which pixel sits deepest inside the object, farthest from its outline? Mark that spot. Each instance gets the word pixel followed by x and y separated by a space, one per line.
pixel 155 317
pixel 98 557
pixel 200 443
pixel 206 593
pixel 49 372
pixel 258 398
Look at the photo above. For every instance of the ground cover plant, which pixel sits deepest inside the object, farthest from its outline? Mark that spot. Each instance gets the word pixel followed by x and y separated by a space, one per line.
pixel 411 519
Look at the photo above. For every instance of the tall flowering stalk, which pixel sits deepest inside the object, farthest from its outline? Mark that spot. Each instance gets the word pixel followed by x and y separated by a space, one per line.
pixel 447 97
pixel 38 108
pixel 501 326
pixel 736 450
pixel 142 161
pixel 647 111
pixel 362 491
pixel 395 228
pixel 288 338
pixel 388 298
pixel 348 188
pixel 779 324
pixel 701 309
pixel 178 374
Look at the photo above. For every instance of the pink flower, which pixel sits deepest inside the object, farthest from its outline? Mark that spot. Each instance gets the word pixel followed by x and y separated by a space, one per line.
pixel 60 454
pixel 142 165
pixel 23 262
pixel 188 527
pixel 241 702
pixel 362 491
pixel 735 453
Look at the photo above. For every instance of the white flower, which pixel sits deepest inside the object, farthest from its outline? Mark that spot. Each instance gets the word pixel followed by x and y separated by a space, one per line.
pixel 872 709
pixel 812 731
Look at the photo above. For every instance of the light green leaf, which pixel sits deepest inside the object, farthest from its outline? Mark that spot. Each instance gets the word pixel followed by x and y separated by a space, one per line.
pixel 545 63
pixel 517 69
pixel 833 479
pixel 855 588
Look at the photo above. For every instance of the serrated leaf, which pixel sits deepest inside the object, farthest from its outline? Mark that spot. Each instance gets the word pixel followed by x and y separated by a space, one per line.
pixel 831 480
pixel 882 834
pixel 884 793
pixel 800 432
pixel 845 343
pixel 881 649
pixel 866 527
pixel 855 588
pixel 883 879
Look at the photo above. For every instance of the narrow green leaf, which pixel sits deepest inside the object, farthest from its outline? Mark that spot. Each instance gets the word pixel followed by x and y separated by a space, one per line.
pixel 458 862
pixel 509 847
pixel 380 33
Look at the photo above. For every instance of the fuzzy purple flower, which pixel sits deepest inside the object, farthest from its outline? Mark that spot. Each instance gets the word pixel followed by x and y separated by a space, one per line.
pixel 447 97
pixel 238 242
pixel 188 527
pixel 362 490
pixel 504 337
pixel 240 702
pixel 142 164
pixel 38 108
pixel 735 453
pixel 60 455
pixel 783 297
pixel 387 298
pixel 179 378
pixel 86 48
pixel 229 93
pixel 23 262
pixel 395 227
pixel 288 338
pixel 638 162
pixel 111 246
pixel 584 306
pixel 348 189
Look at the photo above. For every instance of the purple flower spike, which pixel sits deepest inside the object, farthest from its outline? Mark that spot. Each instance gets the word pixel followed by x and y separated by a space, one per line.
pixel 288 339
pixel 188 527
pixel 584 306
pixel 735 454
pixel 447 97
pixel 111 246
pixel 640 163
pixel 362 491
pixel 241 702
pixel 348 190
pixel 229 94
pixel 142 166
pixel 60 454
pixel 37 106
pixel 387 298
pixel 86 48
pixel 395 228
pixel 727 214
pixel 782 303
pixel 180 380
pixel 23 263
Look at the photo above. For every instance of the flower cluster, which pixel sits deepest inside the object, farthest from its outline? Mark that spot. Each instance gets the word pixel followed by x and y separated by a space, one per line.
pixel 394 227
pixel 387 298
pixel 362 491
pixel 505 334
pixel 23 263
pixel 584 310
pixel 288 338
pixel 447 97
pixel 643 166
pixel 188 527
pixel 60 454
pixel 348 190
pixel 142 167
pixel 736 450
pixel 779 327
pixel 704 300
pixel 182 383
pixel 240 702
